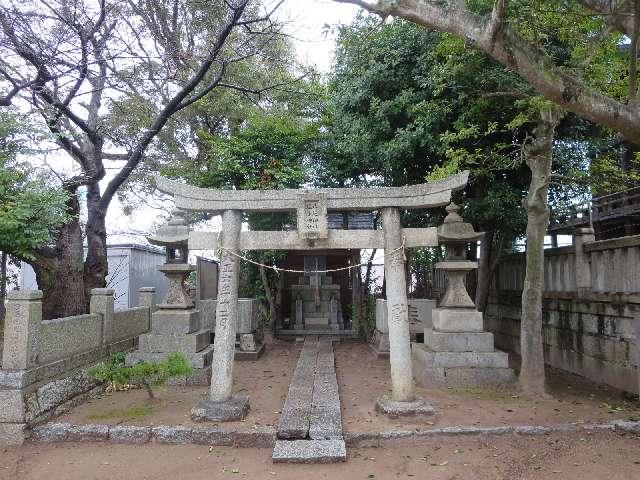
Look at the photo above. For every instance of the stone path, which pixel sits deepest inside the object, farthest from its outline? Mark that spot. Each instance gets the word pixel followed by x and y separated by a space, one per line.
pixel 310 428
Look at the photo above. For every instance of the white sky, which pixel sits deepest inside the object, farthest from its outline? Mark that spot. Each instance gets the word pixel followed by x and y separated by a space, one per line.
pixel 307 24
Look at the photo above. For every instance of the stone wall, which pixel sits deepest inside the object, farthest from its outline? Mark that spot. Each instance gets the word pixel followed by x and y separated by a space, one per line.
pixel 591 308
pixel 44 362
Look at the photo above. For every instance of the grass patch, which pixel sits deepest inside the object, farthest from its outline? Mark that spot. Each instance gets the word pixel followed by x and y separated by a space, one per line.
pixel 132 413
pixel 487 394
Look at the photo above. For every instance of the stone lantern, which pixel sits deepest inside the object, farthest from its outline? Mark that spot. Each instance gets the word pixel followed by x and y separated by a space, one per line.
pixel 455 234
pixel 456 349
pixel 176 325
pixel 174 237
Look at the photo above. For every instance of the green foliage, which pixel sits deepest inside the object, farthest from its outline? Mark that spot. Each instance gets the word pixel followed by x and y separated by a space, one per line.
pixel 31 209
pixel 143 373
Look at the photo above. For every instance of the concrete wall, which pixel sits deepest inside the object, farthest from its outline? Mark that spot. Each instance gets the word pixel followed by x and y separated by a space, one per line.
pixel 591 308
pixel 44 362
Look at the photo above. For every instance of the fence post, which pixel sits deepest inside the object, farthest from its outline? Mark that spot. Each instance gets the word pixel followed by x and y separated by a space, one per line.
pixel 583 266
pixel 24 315
pixel 102 303
pixel 147 298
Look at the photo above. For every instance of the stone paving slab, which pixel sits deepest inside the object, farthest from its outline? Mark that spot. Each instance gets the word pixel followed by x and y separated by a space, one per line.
pixel 309 451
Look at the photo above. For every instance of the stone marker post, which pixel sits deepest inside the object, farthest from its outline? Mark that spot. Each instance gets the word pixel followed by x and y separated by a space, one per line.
pixel 221 405
pixel 403 400
pixel 102 303
pixel 24 315
pixel 147 298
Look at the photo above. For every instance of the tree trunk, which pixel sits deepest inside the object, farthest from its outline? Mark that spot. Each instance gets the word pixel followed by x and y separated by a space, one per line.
pixel 60 272
pixel 268 293
pixel 538 155
pixel 96 267
pixel 490 253
pixel 3 287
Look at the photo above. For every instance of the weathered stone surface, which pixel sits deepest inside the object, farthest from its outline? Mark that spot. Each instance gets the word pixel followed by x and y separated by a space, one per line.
pixel 172 434
pixel 247 316
pixel 362 439
pixel 226 312
pixel 458 342
pixel 176 322
pixel 309 451
pixel 13 433
pixel 457 320
pixel 129 434
pixel 325 423
pixel 425 195
pixel 258 437
pixel 22 327
pixel 164 343
pixel 211 436
pixel 201 359
pixel 627 426
pixel 51 432
pixel 495 359
pixel 88 433
pixel 247 342
pixel 397 310
pixel 419 314
pixel 232 409
pixel 12 408
pixel 417 407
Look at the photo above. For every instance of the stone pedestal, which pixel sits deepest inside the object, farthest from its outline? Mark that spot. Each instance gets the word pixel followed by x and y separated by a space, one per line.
pixel 174 330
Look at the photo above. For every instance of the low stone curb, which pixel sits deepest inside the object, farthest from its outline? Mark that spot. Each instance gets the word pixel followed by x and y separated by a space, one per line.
pixel 261 437
pixel 265 437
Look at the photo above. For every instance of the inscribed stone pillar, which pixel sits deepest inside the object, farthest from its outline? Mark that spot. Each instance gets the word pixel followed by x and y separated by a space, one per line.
pixel 24 315
pixel 226 308
pixel 397 313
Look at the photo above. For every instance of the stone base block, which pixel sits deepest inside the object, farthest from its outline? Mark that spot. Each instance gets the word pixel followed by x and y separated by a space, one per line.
pixel 458 342
pixel 393 409
pixel 457 320
pixel 233 409
pixel 200 376
pixel 13 433
pixel 242 355
pixel 427 357
pixel 309 451
pixel 175 322
pixel 201 359
pixel 460 369
pixel 190 343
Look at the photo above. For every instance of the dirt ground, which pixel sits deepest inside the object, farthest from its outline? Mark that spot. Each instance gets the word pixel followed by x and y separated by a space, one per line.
pixel 563 456
pixel 362 379
pixel 265 381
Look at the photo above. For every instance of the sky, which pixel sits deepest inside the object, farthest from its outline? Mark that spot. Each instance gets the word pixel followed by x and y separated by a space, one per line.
pixel 307 20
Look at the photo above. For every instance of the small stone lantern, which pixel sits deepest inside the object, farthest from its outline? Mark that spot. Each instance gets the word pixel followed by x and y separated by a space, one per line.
pixel 455 234
pixel 174 237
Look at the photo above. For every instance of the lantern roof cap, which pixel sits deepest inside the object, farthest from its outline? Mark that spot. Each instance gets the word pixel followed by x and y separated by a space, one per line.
pixel 174 233
pixel 455 230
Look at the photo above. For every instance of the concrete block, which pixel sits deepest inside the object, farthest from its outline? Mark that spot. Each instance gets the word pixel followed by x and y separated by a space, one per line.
pixel 178 435
pixel 51 432
pixel 211 436
pixel 309 451
pixel 88 433
pixel 457 320
pixel 258 437
pixel 458 342
pixel 430 358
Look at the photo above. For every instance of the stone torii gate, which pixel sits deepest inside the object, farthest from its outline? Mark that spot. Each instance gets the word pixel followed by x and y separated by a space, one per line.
pixel 312 233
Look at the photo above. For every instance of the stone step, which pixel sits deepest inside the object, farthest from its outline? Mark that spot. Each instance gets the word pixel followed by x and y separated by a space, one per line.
pixel 429 358
pixel 458 342
pixel 166 343
pixel 309 451
pixel 201 359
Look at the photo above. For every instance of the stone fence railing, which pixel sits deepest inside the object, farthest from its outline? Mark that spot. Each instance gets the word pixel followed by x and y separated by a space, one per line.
pixel 591 308
pixel 43 362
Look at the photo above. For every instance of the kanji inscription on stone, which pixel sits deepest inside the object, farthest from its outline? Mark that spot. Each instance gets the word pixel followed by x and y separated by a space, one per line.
pixel 312 215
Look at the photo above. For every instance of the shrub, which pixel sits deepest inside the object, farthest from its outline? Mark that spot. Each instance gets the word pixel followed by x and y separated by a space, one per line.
pixel 145 374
